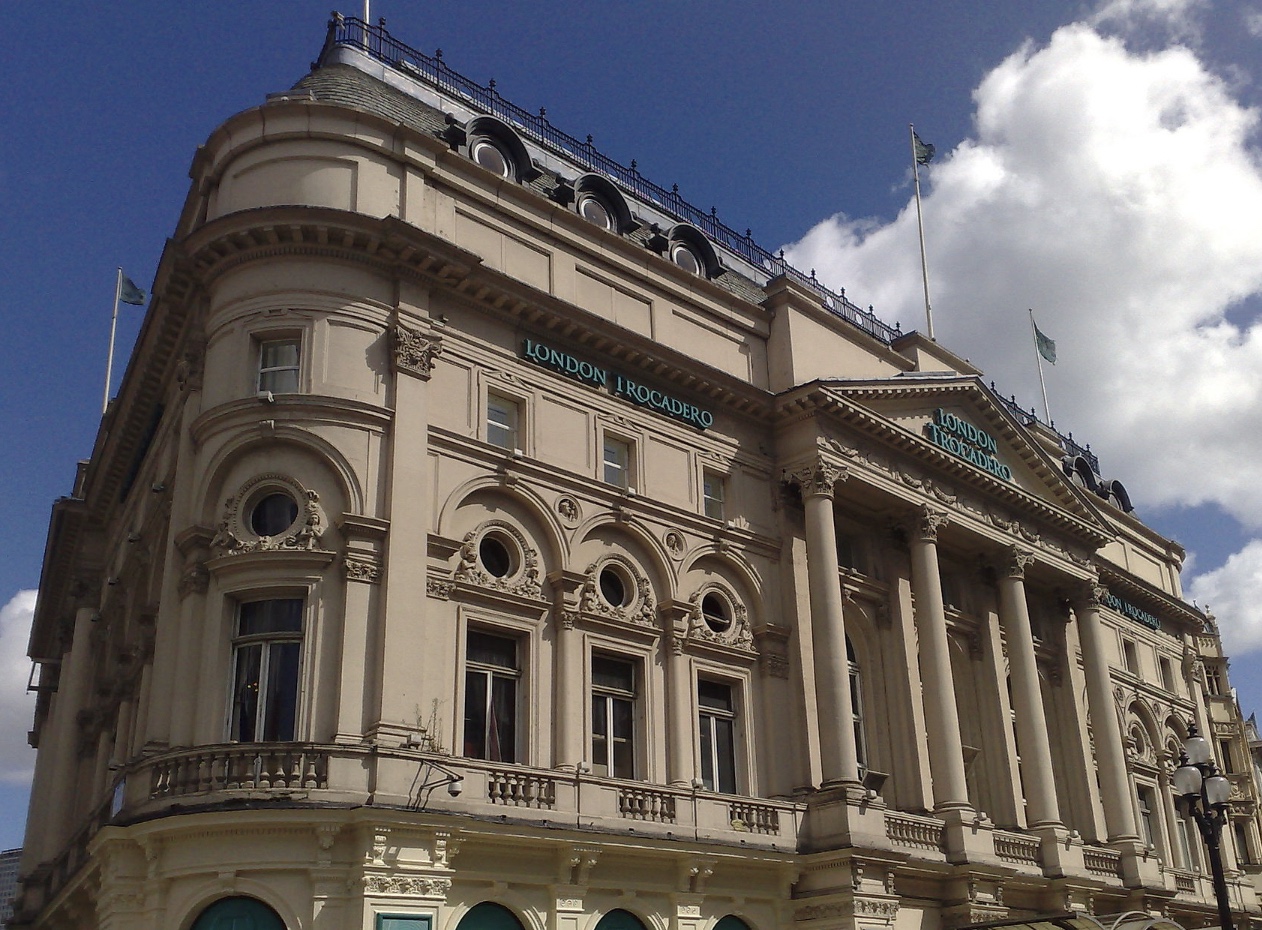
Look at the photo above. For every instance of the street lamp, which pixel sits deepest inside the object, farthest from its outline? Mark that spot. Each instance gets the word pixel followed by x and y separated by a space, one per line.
pixel 1204 792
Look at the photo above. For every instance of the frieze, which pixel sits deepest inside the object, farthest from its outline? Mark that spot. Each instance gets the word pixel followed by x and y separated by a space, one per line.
pixel 408 885
pixel 439 588
pixel 360 569
pixel 414 352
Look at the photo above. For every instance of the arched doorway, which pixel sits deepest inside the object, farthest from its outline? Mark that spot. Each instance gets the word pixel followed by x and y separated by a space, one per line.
pixel 731 921
pixel 238 914
pixel 489 916
pixel 620 920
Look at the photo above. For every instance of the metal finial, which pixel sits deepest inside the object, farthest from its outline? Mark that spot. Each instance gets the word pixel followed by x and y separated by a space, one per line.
pixel 674 189
pixel 634 166
pixel 782 255
pixel 749 233
pixel 543 112
pixel 812 274
pixel 491 83
pixel 589 138
pixel 438 53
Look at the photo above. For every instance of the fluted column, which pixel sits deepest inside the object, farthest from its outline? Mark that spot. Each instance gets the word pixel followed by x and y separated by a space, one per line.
pixel 1027 696
pixel 1115 791
pixel 946 753
pixel 839 760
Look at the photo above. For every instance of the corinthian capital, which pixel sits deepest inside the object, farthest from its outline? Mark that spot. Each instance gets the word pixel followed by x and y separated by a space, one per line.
pixel 925 524
pixel 1013 562
pixel 817 479
pixel 414 352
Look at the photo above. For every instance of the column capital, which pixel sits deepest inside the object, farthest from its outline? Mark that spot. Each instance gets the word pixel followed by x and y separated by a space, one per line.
pixel 1091 595
pixel 816 479
pixel 413 351
pixel 1013 562
pixel 924 524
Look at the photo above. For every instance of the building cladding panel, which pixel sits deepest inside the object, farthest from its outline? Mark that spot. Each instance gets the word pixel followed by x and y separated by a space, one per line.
pixel 478 536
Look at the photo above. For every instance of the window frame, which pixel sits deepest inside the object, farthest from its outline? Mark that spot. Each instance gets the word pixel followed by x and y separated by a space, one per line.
pixel 512 430
pixel 628 466
pixel 607 694
pixel 239 642
pixel 720 479
pixel 261 371
pixel 491 674
pixel 713 715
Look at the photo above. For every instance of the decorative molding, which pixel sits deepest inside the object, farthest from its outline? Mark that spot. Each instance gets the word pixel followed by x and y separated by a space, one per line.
pixel 413 351
pixel 361 569
pixel 524 582
pixel 674 541
pixel 737 635
pixel 1013 562
pixel 925 524
pixel 195 579
pixel 569 511
pixel 641 608
pixel 234 535
pixel 409 885
pixel 439 588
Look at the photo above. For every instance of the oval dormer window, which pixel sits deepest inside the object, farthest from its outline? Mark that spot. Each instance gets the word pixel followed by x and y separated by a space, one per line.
pixel 683 256
pixel 491 157
pixel 591 209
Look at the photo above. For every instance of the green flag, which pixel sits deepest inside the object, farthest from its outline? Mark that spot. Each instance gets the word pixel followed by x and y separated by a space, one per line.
pixel 924 150
pixel 128 293
pixel 1046 347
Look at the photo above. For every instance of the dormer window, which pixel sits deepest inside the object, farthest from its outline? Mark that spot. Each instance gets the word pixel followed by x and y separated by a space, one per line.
pixel 683 256
pixel 593 210
pixel 491 157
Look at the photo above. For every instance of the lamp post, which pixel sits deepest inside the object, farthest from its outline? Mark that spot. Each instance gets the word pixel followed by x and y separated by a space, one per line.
pixel 1205 792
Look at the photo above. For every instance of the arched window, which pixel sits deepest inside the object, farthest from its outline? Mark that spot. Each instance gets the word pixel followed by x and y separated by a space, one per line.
pixel 238 914
pixel 856 706
pixel 731 922
pixel 620 920
pixel 489 916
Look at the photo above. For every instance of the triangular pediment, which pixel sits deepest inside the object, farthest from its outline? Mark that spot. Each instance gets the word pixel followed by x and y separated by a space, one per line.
pixel 955 427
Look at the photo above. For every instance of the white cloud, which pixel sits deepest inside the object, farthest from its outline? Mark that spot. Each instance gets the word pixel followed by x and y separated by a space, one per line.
pixel 1116 193
pixel 1230 592
pixel 1178 18
pixel 17 705
pixel 1251 17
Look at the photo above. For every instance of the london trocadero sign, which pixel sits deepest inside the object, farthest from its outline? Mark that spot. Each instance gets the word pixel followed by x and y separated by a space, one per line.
pixel 617 384
pixel 966 441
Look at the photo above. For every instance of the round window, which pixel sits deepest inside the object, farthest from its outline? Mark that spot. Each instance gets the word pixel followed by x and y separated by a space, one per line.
pixel 685 258
pixel 273 514
pixel 592 210
pixel 613 587
pixel 715 612
pixel 496 556
pixel 491 157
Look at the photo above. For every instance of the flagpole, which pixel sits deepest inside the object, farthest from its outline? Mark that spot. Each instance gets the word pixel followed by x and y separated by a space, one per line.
pixel 109 359
pixel 1038 358
pixel 920 223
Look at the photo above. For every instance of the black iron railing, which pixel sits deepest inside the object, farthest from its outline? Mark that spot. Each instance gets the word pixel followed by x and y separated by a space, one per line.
pixel 1027 417
pixel 377 42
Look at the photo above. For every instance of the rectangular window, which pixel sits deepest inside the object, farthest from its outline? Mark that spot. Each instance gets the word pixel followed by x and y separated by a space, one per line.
pixel 713 494
pixel 278 366
pixel 1213 679
pixel 1130 656
pixel 490 697
pixel 613 717
pixel 502 416
pixel 617 462
pixel 1181 829
pixel 1147 813
pixel 717 720
pixel 1228 757
pixel 266 652
pixel 1243 855
pixel 1167 673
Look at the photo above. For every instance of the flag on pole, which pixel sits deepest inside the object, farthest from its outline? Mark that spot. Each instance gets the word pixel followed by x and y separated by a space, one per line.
pixel 1046 347
pixel 128 293
pixel 924 150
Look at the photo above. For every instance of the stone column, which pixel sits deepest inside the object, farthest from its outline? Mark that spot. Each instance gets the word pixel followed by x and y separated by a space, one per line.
pixel 569 701
pixel 1115 786
pixel 362 563
pixel 1027 696
pixel 946 753
pixel 681 764
pixel 839 762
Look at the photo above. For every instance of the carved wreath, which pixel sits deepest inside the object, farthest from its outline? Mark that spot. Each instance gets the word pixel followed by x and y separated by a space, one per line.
pixel 640 608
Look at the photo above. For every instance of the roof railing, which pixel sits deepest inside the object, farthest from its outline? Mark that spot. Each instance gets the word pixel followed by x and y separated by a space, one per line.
pixel 378 43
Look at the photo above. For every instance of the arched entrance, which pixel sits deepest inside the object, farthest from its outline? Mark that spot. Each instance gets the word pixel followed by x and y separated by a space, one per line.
pixel 238 914
pixel 489 916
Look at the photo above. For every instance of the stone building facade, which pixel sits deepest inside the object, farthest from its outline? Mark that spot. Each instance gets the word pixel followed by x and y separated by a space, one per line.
pixel 483 536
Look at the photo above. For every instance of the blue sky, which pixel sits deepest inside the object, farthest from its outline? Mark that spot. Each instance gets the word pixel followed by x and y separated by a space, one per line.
pixel 1096 161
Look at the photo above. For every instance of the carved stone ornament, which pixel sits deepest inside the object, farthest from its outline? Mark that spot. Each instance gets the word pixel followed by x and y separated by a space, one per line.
pixel 674 541
pixel 817 479
pixel 926 523
pixel 414 352
pixel 194 580
pixel 524 581
pixel 774 665
pixel 639 606
pixel 235 534
pixel 360 569
pixel 569 511
pixel 1014 562
pixel 438 588
pixel 412 886
pixel 736 635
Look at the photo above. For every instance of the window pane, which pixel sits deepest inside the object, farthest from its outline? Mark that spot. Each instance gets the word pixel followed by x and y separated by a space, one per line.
pixel 503 724
pixel 707 750
pixel 600 735
pixel 713 694
pixel 281 709
pixel 281 381
pixel 245 694
pixel 475 714
pixel 485 649
pixel 617 456
pixel 725 751
pixel 613 674
pixel 280 354
pixel 501 421
pixel 283 615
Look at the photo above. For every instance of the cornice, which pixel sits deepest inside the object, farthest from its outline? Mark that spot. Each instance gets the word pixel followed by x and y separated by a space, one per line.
pixel 290 410
pixel 1166 605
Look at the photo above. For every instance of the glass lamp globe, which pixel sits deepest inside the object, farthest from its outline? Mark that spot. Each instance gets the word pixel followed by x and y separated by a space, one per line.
pixel 1217 790
pixel 1187 780
pixel 1197 748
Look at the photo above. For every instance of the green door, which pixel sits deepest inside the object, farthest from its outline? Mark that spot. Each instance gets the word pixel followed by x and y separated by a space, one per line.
pixel 238 914
pixel 489 916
